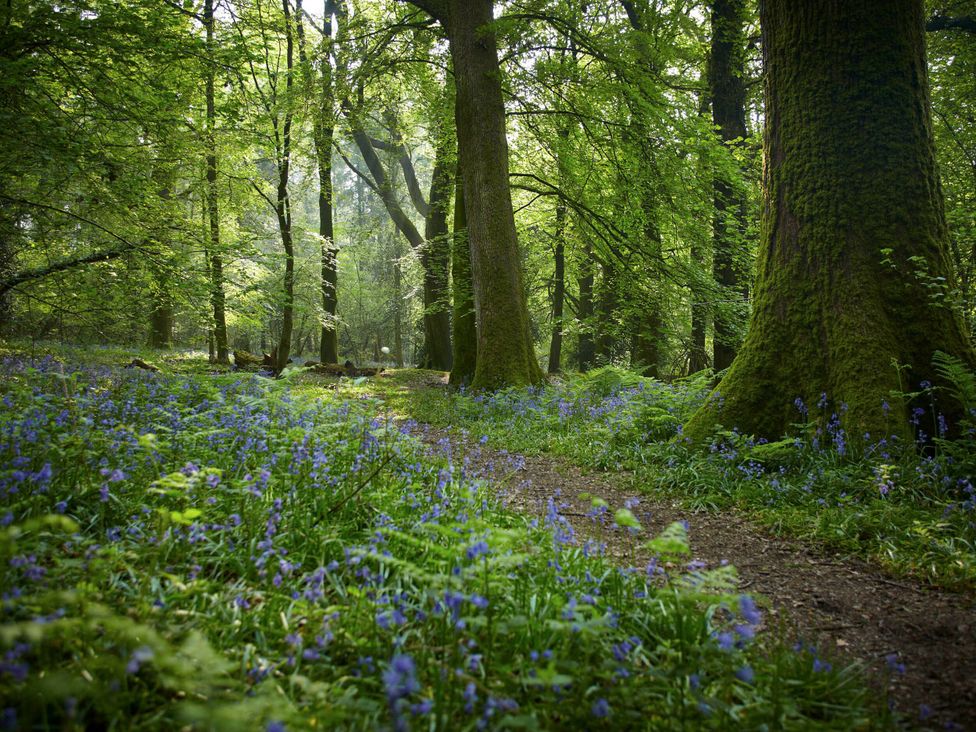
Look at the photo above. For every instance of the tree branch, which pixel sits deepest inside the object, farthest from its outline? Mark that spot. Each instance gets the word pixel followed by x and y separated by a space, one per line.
pixel 6 285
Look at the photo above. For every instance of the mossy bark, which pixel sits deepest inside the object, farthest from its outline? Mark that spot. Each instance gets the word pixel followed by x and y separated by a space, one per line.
pixel 726 81
pixel 215 265
pixel 506 353
pixel 853 228
pixel 465 334
pixel 435 261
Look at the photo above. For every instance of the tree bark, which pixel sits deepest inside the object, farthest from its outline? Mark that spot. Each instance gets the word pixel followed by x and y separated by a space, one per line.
pixel 558 291
pixel 854 234
pixel 726 79
pixel 465 341
pixel 435 261
pixel 323 133
pixel 586 347
pixel 217 299
pixel 283 204
pixel 506 352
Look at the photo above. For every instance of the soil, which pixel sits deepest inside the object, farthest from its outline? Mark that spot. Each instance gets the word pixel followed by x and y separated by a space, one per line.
pixel 837 604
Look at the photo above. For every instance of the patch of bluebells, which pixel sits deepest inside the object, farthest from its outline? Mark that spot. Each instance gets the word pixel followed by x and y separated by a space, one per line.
pixel 321 542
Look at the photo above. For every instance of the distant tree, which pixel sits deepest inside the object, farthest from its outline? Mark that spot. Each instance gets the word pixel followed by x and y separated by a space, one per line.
pixel 853 277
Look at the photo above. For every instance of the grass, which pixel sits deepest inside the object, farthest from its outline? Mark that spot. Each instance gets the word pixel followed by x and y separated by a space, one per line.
pixel 230 552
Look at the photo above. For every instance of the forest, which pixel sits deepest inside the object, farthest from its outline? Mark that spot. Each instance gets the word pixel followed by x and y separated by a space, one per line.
pixel 459 364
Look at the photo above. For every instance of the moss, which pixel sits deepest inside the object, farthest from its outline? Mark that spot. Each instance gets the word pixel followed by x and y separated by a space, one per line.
pixel 774 455
pixel 850 172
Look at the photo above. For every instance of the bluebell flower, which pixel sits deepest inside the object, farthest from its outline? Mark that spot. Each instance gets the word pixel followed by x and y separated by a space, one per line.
pixel 600 708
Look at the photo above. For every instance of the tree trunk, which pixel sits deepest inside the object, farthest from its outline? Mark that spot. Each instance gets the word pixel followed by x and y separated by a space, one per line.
pixel 587 348
pixel 506 352
pixel 726 78
pixel 324 132
pixel 217 300
pixel 283 204
pixel 161 323
pixel 558 291
pixel 465 342
pixel 435 261
pixel 854 233
pixel 698 357
pixel 606 306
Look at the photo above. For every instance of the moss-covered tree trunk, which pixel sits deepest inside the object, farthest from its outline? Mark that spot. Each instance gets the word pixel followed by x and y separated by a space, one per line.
pixel 726 81
pixel 853 229
pixel 215 265
pixel 506 352
pixel 465 334
pixel 435 261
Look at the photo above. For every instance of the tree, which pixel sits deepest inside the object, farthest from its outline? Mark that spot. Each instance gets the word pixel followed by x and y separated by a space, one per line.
pixel 216 261
pixel 853 273
pixel 726 82
pixel 323 135
pixel 506 353
pixel 464 331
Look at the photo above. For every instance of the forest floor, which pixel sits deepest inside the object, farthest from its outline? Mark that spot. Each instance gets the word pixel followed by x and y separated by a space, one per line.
pixel 917 640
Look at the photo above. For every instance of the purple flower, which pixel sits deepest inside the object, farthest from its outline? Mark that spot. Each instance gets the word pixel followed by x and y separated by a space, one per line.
pixel 745 674
pixel 400 679
pixel 747 608
pixel 139 656
pixel 600 708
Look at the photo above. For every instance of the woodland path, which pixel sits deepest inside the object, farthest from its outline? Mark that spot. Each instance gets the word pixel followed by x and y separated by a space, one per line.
pixel 842 606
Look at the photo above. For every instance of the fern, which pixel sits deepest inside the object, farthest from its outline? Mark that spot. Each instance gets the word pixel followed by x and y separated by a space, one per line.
pixel 959 376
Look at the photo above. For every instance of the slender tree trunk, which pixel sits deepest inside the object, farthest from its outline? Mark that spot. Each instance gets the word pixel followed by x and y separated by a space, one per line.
pixel 606 306
pixel 726 77
pixel 465 341
pixel 435 261
pixel 324 135
pixel 217 299
pixel 558 292
pixel 397 308
pixel 698 357
pixel 587 347
pixel 854 233
pixel 283 204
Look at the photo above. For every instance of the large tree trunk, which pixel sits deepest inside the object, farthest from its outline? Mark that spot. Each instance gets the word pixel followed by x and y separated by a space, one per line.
pixel 506 353
pixel 217 300
pixel 854 231
pixel 465 341
pixel 726 79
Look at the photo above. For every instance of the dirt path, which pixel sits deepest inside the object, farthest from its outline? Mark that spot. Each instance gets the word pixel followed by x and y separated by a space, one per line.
pixel 923 641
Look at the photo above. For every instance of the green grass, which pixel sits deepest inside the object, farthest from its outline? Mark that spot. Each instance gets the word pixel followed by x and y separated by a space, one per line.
pixel 230 552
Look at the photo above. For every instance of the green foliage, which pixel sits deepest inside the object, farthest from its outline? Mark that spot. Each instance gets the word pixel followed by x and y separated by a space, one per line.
pixel 901 504
pixel 228 552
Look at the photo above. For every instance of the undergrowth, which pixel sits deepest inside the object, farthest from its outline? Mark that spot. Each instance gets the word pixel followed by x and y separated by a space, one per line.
pixel 227 552
pixel 911 507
